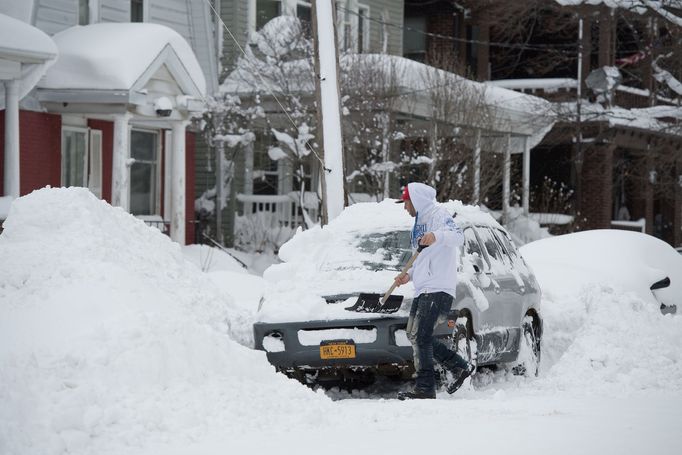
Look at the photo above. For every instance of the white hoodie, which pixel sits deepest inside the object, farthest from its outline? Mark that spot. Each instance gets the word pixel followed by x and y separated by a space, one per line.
pixel 435 270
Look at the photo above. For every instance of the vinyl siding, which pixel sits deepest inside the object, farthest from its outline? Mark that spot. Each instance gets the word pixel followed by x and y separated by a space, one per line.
pixel 114 11
pixel 53 16
pixel 395 16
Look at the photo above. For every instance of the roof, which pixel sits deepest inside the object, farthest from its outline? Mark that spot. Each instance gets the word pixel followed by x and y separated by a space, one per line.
pixel 118 56
pixel 518 113
pixel 25 52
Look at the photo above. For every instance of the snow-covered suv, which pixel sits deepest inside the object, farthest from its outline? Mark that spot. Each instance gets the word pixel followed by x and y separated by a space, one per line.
pixel 309 333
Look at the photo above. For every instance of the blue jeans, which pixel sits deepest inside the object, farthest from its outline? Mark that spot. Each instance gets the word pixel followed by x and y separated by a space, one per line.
pixel 429 310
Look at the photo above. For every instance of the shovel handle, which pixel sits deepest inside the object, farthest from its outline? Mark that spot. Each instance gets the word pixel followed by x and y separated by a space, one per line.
pixel 403 271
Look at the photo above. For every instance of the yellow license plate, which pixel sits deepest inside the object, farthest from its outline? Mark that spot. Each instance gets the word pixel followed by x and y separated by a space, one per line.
pixel 337 350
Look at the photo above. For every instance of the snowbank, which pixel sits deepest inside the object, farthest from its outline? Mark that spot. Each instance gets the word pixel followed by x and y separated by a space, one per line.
pixel 604 332
pixel 110 341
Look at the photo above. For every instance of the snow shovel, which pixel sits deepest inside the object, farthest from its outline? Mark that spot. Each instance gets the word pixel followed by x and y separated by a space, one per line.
pixel 375 303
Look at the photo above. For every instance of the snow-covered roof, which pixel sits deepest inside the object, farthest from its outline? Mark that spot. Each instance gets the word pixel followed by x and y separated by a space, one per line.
pixel 650 119
pixel 518 113
pixel 26 51
pixel 118 56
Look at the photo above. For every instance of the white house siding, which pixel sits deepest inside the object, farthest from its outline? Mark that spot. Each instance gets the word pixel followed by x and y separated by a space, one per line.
pixel 173 14
pixel 395 12
pixel 114 11
pixel 53 16
pixel 204 43
pixel 235 14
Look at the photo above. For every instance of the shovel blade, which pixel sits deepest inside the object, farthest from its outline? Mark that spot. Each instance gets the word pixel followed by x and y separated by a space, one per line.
pixel 371 303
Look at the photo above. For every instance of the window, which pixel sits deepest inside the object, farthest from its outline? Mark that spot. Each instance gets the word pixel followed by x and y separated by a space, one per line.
pixel 473 35
pixel 95 163
pixel 496 251
pixel 144 173
pixel 137 11
pixel 473 247
pixel 265 170
pixel 74 156
pixel 414 38
pixel 83 12
pixel 304 13
pixel 266 10
pixel 363 29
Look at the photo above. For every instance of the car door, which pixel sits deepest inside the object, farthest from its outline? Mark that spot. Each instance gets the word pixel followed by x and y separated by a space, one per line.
pixel 501 320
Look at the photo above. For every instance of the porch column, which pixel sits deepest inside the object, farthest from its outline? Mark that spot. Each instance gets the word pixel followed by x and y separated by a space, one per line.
pixel 506 180
pixel 526 177
pixel 477 168
pixel 12 169
pixel 120 168
pixel 178 182
pixel 248 169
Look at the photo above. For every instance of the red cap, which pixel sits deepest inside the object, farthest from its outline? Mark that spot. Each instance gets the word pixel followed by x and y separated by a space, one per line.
pixel 405 196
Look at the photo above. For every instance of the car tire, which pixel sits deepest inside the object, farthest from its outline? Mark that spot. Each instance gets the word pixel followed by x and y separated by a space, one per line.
pixel 528 360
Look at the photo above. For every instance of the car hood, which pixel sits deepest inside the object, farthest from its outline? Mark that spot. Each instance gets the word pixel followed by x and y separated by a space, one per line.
pixel 297 296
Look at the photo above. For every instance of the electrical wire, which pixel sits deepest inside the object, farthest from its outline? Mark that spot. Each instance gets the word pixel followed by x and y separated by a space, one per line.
pixel 267 87
pixel 552 47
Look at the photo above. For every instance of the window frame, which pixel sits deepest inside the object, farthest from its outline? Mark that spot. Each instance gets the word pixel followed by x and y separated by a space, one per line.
pixel 365 26
pixel 84 132
pixel 95 137
pixel 145 10
pixel 487 267
pixel 157 171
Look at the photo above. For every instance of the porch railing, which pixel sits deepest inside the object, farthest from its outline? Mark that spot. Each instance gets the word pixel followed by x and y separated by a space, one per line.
pixel 284 208
pixel 639 225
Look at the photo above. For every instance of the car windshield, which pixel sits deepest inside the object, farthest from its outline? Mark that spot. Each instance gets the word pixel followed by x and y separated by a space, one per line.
pixel 377 251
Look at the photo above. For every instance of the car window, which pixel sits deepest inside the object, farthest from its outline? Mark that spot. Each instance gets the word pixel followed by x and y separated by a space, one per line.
pixel 472 247
pixel 500 262
pixel 389 250
pixel 508 245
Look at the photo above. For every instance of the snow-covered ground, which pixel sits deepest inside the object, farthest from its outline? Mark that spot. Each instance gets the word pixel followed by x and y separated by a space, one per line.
pixel 113 340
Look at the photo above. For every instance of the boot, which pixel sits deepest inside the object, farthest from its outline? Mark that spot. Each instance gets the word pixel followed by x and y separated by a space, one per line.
pixel 416 395
pixel 460 375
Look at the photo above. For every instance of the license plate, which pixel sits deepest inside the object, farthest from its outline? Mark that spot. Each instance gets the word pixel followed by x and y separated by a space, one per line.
pixel 338 349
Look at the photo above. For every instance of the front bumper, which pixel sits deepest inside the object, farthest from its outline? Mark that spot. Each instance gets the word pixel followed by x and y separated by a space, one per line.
pixel 382 351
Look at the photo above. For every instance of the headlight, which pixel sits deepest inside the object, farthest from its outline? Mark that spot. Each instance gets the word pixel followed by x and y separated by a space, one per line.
pixel 273 342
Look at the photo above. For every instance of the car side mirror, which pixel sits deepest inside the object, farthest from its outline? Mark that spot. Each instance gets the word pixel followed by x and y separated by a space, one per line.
pixel 664 283
pixel 477 263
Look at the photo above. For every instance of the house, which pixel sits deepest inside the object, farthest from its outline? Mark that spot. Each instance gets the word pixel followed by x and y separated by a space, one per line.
pixel 623 158
pixel 275 174
pixel 112 112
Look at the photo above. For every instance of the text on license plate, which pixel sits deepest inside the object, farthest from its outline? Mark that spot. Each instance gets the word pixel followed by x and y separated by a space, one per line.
pixel 344 349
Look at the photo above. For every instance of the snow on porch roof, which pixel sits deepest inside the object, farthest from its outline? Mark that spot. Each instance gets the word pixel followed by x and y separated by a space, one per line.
pixel 26 48
pixel 22 42
pixel 115 56
pixel 518 113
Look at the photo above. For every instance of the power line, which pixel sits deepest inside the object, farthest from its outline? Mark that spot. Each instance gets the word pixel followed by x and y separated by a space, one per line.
pixel 538 47
pixel 267 87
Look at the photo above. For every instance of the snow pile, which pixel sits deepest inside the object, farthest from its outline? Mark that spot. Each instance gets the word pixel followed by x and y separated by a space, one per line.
pixel 605 340
pixel 210 259
pixel 111 342
pixel 604 331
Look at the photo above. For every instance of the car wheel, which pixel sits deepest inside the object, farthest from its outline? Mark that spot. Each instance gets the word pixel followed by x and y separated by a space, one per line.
pixel 528 361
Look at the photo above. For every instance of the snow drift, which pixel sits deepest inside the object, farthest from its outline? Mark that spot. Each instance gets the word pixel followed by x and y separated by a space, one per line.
pixel 110 340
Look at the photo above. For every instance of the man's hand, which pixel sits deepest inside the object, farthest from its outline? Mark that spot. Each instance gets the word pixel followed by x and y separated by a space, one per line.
pixel 427 239
pixel 401 279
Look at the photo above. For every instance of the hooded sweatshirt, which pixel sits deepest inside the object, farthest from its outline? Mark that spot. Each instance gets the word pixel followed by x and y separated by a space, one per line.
pixel 435 270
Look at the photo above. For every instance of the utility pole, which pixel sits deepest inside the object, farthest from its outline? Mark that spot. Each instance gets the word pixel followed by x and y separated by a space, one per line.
pixel 328 108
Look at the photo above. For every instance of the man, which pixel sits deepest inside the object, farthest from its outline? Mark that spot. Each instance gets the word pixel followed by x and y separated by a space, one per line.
pixel 434 275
